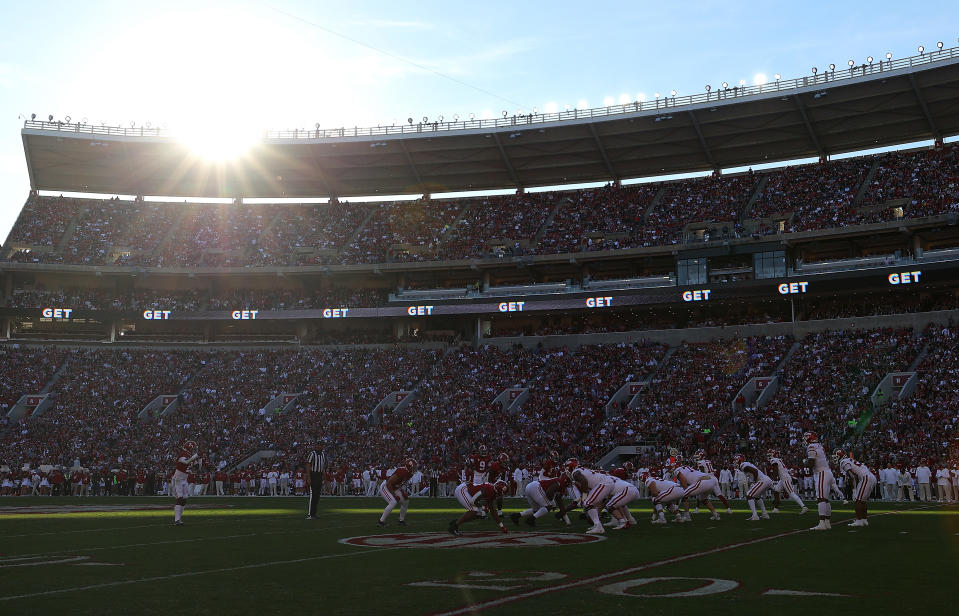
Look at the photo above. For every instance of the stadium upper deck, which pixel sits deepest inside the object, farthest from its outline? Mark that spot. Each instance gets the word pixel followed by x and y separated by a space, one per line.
pixel 833 111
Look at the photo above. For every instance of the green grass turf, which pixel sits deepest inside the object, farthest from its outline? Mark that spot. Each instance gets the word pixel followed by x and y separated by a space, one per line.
pixel 260 556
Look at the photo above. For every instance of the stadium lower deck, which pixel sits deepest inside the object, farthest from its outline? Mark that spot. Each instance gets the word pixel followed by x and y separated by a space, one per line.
pixel 259 555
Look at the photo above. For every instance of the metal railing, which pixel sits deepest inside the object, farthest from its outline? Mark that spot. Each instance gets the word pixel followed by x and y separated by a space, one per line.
pixel 440 124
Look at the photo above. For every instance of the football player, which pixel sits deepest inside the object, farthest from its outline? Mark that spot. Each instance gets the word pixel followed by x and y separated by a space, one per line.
pixel 623 493
pixel 664 493
pixel 784 482
pixel 499 469
pixel 695 483
pixel 543 496
pixel 550 466
pixel 181 489
pixel 479 465
pixel 592 488
pixel 703 465
pixel 392 491
pixel 866 482
pixel 477 499
pixel 818 463
pixel 761 483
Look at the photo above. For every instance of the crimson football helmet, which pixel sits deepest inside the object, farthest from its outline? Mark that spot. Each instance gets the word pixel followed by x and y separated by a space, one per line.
pixel 629 467
pixel 500 487
pixel 838 455
pixel 810 437
pixel 554 456
pixel 570 464
pixel 503 458
pixel 481 450
pixel 699 455
pixel 619 472
pixel 189 446
pixel 772 453
pixel 410 464
pixel 738 459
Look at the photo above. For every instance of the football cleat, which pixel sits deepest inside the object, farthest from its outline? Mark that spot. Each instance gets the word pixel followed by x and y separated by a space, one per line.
pixel 531 521
pixel 453 529
pixel 659 521
pixel 381 523
pixel 178 522
pixel 820 526
pixel 803 510
pixel 402 523
pixel 714 516
pixel 596 529
pixel 764 515
pixel 753 518
pixel 775 509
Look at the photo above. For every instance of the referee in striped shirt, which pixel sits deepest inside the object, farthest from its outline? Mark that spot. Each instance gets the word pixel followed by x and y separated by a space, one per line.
pixel 316 462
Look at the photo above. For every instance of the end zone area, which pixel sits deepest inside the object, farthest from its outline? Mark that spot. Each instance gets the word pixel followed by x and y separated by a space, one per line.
pixel 258 555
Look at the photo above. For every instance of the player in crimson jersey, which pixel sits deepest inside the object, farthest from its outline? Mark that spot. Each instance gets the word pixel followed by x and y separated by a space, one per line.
pixel 392 491
pixel 543 496
pixel 184 462
pixel 476 499
pixel 550 466
pixel 499 469
pixel 479 465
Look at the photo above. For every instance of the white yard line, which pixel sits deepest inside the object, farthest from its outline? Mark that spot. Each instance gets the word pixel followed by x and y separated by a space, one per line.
pixel 474 608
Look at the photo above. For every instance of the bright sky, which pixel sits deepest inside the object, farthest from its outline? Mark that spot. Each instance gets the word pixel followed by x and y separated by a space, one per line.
pixel 289 63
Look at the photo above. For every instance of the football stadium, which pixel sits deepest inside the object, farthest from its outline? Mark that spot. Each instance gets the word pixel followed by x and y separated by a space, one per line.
pixel 678 353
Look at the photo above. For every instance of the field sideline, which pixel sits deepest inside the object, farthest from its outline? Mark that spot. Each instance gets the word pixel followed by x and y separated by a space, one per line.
pixel 259 555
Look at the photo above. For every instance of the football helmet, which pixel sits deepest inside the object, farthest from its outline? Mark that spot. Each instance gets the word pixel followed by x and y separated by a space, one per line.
pixel 570 464
pixel 699 455
pixel 410 464
pixel 648 479
pixel 619 472
pixel 772 453
pixel 481 450
pixel 629 467
pixel 838 455
pixel 503 458
pixel 500 487
pixel 810 437
pixel 554 456
pixel 738 458
pixel 189 446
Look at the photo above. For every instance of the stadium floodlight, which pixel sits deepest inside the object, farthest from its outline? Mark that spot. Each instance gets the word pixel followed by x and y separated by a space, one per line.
pixel 725 85
pixel 939 45
pixel 440 118
pixel 410 120
pixel 832 67
pixel 888 56
pixel 456 117
pixel 778 76
pixel 425 119
pixel 869 59
pixel 708 87
pixel 852 63
pixel 656 95
pixel 33 116
pixel 50 118
pixel 535 110
pixel 673 92
pixel 922 50
pixel 742 83
pixel 814 70
pixel 505 113
pixel 317 125
pixel 67 119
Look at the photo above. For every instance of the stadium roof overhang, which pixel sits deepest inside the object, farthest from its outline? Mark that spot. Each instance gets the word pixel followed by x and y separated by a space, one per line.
pixel 813 117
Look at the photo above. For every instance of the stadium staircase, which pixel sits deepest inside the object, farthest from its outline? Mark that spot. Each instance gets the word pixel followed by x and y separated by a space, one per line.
pixel 358 231
pixel 71 228
pixel 657 199
pixel 861 193
pixel 549 221
pixel 168 236
pixel 757 193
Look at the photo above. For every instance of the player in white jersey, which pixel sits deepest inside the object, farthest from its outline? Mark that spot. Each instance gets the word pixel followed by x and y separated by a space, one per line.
pixel 784 482
pixel 818 463
pixel 761 483
pixel 705 466
pixel 180 488
pixel 664 493
pixel 866 482
pixel 593 490
pixel 697 484
pixel 623 493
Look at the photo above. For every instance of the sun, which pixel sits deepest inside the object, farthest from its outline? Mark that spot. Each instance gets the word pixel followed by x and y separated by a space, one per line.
pixel 219 142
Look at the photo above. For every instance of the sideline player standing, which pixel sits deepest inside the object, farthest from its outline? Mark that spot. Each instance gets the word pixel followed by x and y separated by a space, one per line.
pixel 316 462
pixel 818 463
pixel 181 490
pixel 392 492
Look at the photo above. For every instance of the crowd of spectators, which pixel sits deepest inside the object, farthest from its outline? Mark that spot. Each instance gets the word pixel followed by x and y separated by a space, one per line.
pixel 803 197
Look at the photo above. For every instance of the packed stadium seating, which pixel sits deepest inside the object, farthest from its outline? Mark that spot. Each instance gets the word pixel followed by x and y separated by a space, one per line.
pixel 818 196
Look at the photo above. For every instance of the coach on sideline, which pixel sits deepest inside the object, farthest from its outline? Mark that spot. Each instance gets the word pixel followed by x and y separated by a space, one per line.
pixel 316 462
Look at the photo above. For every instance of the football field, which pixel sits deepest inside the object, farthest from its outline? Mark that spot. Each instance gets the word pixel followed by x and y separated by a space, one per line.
pixel 260 556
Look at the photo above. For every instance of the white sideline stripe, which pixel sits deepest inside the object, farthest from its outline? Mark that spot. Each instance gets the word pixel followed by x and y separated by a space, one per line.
pixel 478 607
pixel 173 576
